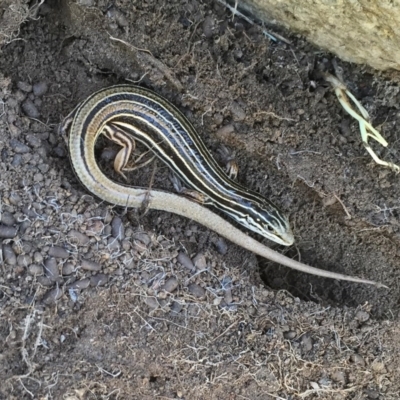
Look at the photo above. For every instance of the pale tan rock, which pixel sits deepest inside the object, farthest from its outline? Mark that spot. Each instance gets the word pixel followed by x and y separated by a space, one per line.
pixel 357 31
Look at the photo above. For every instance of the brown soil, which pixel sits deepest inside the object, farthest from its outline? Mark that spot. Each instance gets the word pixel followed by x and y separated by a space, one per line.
pixel 88 314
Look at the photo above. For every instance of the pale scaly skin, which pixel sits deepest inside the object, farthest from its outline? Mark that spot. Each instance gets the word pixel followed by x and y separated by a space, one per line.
pixel 84 164
pixel 126 196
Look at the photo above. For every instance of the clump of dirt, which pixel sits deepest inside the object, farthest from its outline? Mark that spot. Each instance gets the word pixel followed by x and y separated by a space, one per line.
pixel 98 301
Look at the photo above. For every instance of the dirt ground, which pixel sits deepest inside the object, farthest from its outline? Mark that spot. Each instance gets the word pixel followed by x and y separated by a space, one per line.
pixel 103 303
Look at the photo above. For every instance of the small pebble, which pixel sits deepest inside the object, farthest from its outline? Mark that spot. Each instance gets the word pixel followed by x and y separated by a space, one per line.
pixel 372 394
pixel 113 245
pixel 98 280
pixel 170 284
pixel 228 296
pixel 38 257
pixel 289 335
pixel 52 296
pixel 329 201
pixel 122 20
pixel 29 108
pixel 94 227
pixel 68 268
pixel 40 88
pixel 8 219
pixel 37 206
pixel 7 232
pixel 200 261
pixel 339 376
pixel 16 161
pixel 208 26
pixel 221 246
pixel 196 290
pixel 78 238
pixel 33 140
pixel 226 282
pixel 218 118
pixel 12 102
pixel 185 261
pixel 58 252
pixel 108 154
pixel 87 3
pixel 35 270
pixel 217 301
pixel 53 138
pixel 19 270
pixel 176 307
pixel 24 86
pixel 139 246
pixel 27 247
pixel 15 198
pixel 73 295
pixel 17 247
pixel 59 151
pixel 38 177
pixel 117 228
pixel 143 237
pixel 362 316
pixel 51 268
pixel 45 281
pixel 162 295
pixel 357 359
pixel 220 302
pixel 24 226
pixel 378 367
pixel 29 212
pixel 126 245
pixel 80 285
pixel 44 168
pixel 14 130
pixel 9 256
pixel 23 260
pixel 107 230
pixel 90 265
pixel 225 132
pixel 238 114
pixel 152 302
pixel 238 54
pixel 19 147
pixel 117 16
pixel 306 343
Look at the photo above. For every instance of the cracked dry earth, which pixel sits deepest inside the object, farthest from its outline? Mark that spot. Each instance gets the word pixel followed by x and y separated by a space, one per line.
pixel 102 302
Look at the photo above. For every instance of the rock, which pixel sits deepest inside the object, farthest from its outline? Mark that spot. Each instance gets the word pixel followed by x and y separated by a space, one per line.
pixel 374 27
pixel 90 265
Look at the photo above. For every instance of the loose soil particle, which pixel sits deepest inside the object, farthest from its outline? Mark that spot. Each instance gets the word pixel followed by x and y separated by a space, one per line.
pixel 101 302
